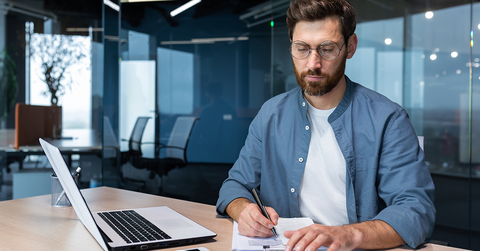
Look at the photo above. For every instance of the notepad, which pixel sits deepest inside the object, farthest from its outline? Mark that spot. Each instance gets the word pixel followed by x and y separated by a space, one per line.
pixel 243 243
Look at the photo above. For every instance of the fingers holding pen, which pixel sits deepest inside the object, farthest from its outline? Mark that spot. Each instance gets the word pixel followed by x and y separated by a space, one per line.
pixel 273 215
pixel 253 223
pixel 264 221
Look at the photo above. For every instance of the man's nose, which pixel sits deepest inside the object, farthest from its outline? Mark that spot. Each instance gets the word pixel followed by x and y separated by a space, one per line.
pixel 314 60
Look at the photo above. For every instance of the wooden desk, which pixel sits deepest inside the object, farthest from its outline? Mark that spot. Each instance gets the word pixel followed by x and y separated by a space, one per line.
pixel 32 224
pixel 75 139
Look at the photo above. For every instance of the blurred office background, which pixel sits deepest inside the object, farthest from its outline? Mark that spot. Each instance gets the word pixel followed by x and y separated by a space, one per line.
pixel 197 79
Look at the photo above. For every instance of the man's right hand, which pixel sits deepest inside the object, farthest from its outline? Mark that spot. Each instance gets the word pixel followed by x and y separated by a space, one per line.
pixel 251 221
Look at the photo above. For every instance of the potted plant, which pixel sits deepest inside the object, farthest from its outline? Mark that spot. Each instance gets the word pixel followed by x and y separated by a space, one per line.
pixel 57 53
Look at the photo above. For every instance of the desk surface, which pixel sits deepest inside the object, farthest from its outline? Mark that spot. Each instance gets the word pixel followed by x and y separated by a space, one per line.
pixel 32 224
pixel 74 139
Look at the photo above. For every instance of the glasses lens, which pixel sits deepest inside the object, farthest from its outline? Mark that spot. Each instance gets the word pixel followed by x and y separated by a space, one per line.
pixel 300 50
pixel 329 51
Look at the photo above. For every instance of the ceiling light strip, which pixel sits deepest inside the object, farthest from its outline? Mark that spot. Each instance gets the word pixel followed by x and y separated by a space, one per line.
pixel 272 11
pixel 142 1
pixel 111 5
pixel 263 7
pixel 184 42
pixel 28 13
pixel 184 7
pixel 205 40
pixel 15 4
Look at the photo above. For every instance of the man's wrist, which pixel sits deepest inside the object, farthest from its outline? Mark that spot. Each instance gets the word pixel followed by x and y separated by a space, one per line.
pixel 236 207
pixel 375 234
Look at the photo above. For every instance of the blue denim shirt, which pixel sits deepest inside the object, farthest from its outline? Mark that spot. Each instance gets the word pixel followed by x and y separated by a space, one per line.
pixel 387 178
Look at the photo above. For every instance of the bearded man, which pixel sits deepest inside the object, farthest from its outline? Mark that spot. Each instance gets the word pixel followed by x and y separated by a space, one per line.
pixel 331 150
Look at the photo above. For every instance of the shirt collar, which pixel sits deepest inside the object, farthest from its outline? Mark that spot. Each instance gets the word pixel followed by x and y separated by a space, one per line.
pixel 346 100
pixel 341 108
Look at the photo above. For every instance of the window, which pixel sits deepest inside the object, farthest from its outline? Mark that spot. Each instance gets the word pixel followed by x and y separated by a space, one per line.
pixel 65 63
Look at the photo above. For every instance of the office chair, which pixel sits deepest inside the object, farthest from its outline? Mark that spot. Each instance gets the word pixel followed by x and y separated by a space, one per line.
pixel 134 156
pixel 134 153
pixel 175 149
pixel 175 156
pixel 111 147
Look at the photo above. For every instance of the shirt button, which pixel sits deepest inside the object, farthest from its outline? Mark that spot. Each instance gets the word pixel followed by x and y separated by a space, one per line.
pixel 307 127
pixel 303 104
pixel 292 190
pixel 300 160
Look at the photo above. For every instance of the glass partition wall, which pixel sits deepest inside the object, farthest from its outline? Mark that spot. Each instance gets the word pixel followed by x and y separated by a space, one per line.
pixel 212 70
pixel 474 174
pixel 108 95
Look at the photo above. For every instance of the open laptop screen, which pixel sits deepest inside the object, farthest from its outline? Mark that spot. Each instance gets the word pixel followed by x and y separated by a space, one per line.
pixel 71 190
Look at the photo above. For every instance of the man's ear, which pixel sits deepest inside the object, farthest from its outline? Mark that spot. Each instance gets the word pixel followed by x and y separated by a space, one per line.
pixel 352 45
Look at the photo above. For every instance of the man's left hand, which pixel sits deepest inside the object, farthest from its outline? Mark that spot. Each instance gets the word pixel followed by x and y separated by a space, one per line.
pixel 314 236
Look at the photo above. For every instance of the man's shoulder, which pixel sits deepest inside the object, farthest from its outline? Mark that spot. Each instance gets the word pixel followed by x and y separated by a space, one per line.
pixel 367 96
pixel 283 100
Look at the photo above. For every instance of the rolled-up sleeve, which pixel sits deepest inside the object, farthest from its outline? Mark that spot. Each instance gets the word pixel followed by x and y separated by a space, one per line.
pixel 405 184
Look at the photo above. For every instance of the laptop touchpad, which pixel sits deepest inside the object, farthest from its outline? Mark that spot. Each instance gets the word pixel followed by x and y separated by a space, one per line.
pixel 173 223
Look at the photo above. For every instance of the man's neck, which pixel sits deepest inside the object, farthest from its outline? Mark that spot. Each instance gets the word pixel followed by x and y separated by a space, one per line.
pixel 329 100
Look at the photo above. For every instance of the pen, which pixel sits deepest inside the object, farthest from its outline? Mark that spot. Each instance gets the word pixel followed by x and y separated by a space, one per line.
pixel 274 248
pixel 262 208
pixel 77 172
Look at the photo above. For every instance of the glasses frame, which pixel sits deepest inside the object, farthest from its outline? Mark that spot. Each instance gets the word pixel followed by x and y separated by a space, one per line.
pixel 317 49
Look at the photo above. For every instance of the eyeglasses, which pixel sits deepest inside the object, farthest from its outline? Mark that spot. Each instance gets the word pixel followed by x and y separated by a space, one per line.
pixel 328 50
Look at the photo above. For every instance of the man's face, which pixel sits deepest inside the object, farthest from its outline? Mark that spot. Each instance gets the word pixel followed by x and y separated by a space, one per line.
pixel 315 75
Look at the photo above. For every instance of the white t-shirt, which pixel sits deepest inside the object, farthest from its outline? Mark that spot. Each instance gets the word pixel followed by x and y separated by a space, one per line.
pixel 322 193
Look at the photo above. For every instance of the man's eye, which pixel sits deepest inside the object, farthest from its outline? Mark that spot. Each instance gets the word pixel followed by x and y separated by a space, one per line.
pixel 328 47
pixel 302 49
pixel 327 50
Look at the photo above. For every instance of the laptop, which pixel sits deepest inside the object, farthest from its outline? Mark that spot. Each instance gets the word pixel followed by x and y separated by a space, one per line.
pixel 159 227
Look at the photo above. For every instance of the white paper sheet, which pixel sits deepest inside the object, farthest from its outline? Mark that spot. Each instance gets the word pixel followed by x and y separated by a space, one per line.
pixel 243 243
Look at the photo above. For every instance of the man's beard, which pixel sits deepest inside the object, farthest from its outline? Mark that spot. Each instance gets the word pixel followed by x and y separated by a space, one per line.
pixel 322 87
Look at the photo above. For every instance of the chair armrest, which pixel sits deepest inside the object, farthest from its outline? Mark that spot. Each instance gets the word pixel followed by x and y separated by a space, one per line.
pixel 153 143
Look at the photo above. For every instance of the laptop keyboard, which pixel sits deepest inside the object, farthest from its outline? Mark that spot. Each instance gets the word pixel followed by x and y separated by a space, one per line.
pixel 132 227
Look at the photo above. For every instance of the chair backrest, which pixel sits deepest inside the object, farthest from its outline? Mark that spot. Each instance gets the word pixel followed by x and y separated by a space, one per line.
pixel 179 136
pixel 135 141
pixel 34 121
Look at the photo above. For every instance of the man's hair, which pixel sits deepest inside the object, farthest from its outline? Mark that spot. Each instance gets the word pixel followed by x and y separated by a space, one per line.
pixel 313 10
